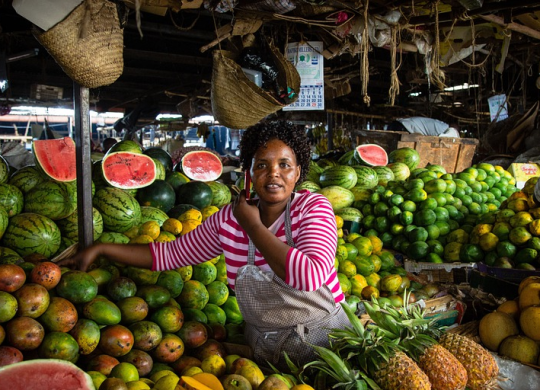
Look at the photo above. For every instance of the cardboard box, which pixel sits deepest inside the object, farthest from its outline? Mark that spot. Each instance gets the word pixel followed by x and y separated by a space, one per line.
pixel 455 273
pixel 523 172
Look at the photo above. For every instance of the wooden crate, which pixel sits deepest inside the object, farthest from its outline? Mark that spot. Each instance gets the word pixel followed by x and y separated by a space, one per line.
pixel 454 154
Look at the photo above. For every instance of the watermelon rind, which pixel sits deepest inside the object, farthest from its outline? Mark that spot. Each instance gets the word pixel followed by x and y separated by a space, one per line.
pixel 159 194
pixel 56 158
pixel 149 213
pixel 11 198
pixel 4 170
pixel 125 146
pixel 4 220
pixel 29 233
pixel 338 196
pixel 69 226
pixel 161 155
pixel 406 155
pixel 341 175
pixel 371 155
pixel 201 165
pixel 48 373
pixel 367 177
pixel 113 238
pixel 196 193
pixel 128 170
pixel 120 210
pixel 53 199
pixel 221 194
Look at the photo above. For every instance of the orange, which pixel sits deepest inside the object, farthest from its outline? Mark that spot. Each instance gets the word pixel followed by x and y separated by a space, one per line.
pixel 172 225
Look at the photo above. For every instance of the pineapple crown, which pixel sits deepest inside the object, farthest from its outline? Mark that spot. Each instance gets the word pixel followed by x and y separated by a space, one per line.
pixel 408 327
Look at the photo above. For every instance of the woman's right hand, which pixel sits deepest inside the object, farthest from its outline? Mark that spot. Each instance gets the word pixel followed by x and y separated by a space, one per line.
pixel 83 259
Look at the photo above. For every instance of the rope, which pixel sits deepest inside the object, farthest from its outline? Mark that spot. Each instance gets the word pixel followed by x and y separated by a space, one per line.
pixel 394 79
pixel 185 28
pixel 364 67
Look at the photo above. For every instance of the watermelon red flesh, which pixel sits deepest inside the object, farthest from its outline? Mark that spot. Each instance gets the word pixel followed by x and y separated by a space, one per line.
pixel 56 157
pixel 128 170
pixel 372 155
pixel 45 374
pixel 202 166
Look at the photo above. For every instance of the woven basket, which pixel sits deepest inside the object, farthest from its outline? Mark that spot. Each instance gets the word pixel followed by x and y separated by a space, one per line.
pixel 88 43
pixel 237 102
pixel 70 251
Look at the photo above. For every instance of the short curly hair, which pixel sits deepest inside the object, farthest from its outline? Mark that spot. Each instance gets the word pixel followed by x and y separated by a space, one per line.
pixel 258 135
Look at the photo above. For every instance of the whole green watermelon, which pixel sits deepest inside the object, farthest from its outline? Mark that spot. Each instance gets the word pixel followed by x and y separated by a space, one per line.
pixel 196 193
pixel 406 155
pixel 120 211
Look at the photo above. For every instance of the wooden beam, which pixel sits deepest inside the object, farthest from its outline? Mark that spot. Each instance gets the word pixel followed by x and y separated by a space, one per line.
pixel 512 26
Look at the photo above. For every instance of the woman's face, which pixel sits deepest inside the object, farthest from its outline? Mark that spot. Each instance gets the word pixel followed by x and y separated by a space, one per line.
pixel 274 172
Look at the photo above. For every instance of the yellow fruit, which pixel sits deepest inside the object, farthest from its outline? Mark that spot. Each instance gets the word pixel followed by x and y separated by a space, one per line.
pixel 347 268
pixel 353 236
pixel 137 385
pixel 495 327
pixel 529 296
pixel 189 225
pixel 369 292
pixel 510 307
pixel 150 228
pixel 165 237
pixel 342 253
pixel 208 211
pixel 185 272
pixel 133 232
pixel 214 365
pixel 377 244
pixel 302 387
pixel 191 214
pixel 192 371
pixel 189 383
pixel 209 380
pixel 488 241
pixel 340 232
pixel 141 239
pixel 358 283
pixel 168 382
pixel 160 374
pixel 530 322
pixel 528 280
pixel 172 225
pixel 534 227
pixel 339 222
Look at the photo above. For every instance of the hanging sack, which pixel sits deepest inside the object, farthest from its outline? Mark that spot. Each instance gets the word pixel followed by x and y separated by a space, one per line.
pixel 237 102
pixel 88 44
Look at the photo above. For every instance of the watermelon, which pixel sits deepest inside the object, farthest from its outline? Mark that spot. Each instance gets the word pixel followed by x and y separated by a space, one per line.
pixel 347 158
pixel 56 158
pixel 4 220
pixel 221 195
pixel 384 175
pixel 350 214
pixel 149 213
pixel 55 200
pixel 160 169
pixel 308 185
pixel 406 155
pixel 120 210
pixel 371 155
pixel 326 163
pixel 176 179
pixel 341 175
pixel 367 177
pixel 202 165
pixel 338 197
pixel 401 170
pixel 69 226
pixel 11 198
pixel 180 209
pixel 113 238
pixel 125 146
pixel 162 155
pixel 4 170
pixel 9 256
pixel 26 178
pixel 159 194
pixel 29 233
pixel 45 374
pixel 128 170
pixel 196 193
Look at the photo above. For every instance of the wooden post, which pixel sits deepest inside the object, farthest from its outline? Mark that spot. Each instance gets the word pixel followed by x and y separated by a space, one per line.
pixel 330 135
pixel 83 135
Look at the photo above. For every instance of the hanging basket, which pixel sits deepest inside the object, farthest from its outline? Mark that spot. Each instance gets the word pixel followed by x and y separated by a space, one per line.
pixel 237 102
pixel 88 43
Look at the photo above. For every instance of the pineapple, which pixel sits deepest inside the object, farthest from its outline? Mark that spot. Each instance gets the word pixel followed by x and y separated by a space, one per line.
pixel 373 358
pixel 414 334
pixel 481 367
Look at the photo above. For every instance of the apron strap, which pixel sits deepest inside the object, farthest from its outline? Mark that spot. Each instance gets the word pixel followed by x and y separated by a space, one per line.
pixel 288 234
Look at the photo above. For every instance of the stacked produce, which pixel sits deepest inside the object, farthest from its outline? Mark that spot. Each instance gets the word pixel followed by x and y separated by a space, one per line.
pixel 513 330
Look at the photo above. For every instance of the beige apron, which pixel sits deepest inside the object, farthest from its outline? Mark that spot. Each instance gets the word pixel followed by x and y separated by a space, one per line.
pixel 281 318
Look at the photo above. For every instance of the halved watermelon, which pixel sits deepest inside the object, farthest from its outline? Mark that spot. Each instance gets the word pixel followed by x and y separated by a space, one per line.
pixel 202 166
pixel 56 158
pixel 371 155
pixel 127 170
pixel 45 374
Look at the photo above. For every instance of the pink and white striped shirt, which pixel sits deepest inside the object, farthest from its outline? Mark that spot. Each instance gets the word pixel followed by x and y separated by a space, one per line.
pixel 309 265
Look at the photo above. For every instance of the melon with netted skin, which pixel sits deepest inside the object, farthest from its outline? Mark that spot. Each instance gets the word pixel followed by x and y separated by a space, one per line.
pixel 45 374
pixel 56 158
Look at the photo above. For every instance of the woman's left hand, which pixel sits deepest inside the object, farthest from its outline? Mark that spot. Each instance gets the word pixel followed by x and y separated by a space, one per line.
pixel 246 214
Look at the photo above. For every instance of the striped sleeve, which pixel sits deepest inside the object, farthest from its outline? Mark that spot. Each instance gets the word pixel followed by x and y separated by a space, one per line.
pixel 197 246
pixel 311 263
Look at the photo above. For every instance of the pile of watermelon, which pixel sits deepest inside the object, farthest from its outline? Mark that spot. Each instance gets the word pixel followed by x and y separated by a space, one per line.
pixel 38 203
